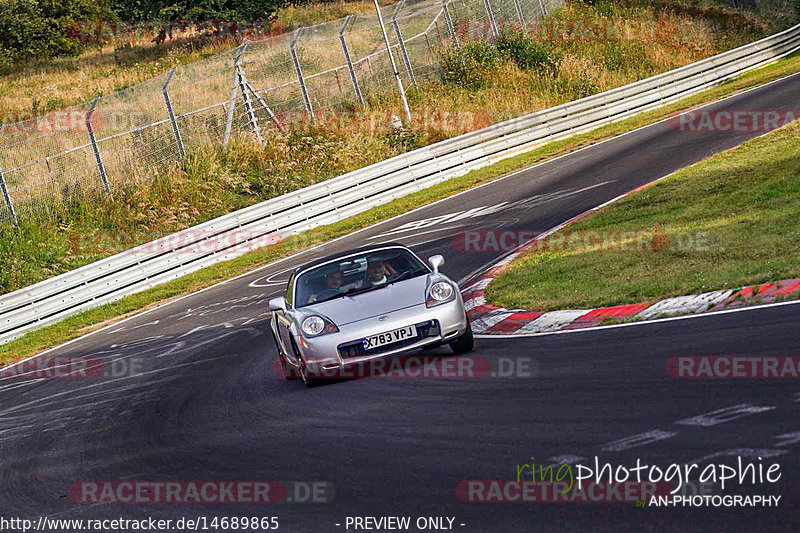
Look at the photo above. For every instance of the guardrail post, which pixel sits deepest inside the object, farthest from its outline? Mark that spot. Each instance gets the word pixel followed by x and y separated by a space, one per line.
pixel 543 8
pixel 350 68
pixel 234 90
pixel 521 16
pixel 171 113
pixel 402 43
pixel 95 148
pixel 450 27
pixel 299 71
pixel 394 65
pixel 492 22
pixel 7 198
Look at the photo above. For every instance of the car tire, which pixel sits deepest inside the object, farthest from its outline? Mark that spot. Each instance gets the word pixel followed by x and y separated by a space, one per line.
pixel 465 343
pixel 289 371
pixel 285 367
pixel 307 379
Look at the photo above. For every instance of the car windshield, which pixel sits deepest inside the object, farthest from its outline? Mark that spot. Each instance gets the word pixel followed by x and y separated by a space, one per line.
pixel 356 274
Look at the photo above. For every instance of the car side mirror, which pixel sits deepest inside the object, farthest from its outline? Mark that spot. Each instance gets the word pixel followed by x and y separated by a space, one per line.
pixel 436 261
pixel 277 304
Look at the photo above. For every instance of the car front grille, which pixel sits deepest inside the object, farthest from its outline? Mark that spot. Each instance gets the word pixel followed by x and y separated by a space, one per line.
pixel 356 348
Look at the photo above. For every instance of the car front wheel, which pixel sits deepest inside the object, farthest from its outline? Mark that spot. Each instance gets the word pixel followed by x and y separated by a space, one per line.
pixel 288 370
pixel 465 343
pixel 308 378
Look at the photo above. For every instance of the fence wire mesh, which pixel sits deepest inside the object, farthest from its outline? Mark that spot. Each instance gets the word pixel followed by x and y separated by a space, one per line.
pixel 46 165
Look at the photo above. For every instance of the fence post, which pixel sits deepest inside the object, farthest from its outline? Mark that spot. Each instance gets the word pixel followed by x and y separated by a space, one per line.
pixel 521 16
pixel 168 102
pixel 394 65
pixel 402 43
pixel 7 198
pixel 100 167
pixel 261 101
pixel 492 22
pixel 299 71
pixel 350 68
pixel 450 28
pixel 234 90
pixel 248 105
pixel 544 9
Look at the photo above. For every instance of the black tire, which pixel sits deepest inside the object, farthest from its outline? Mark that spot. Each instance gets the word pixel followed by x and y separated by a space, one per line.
pixel 289 371
pixel 465 343
pixel 307 379
pixel 282 358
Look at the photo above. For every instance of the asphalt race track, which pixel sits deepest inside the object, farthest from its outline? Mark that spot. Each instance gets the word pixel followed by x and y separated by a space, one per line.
pixel 193 395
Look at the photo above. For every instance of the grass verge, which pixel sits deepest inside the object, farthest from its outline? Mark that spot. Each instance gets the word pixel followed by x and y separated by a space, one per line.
pixel 93 319
pixel 729 221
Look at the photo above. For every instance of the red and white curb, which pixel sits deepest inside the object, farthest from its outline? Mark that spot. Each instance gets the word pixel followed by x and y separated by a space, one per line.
pixel 490 320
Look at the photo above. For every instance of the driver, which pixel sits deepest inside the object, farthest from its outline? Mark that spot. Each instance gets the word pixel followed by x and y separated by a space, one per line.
pixel 333 284
pixel 334 279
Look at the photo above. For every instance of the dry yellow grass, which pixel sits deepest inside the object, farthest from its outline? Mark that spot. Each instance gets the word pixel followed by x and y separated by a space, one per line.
pixel 63 82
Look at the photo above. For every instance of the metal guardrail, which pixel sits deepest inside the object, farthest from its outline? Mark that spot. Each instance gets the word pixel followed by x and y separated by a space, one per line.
pixel 338 198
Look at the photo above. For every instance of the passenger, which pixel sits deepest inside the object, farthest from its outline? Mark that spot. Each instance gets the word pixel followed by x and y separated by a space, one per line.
pixel 376 273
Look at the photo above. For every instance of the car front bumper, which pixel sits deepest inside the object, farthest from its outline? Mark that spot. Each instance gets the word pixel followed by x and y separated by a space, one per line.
pixel 435 325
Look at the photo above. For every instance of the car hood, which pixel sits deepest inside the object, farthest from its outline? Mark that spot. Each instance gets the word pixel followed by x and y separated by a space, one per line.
pixel 348 309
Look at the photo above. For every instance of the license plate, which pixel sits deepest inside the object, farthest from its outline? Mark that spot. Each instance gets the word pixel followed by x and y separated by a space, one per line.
pixel 390 337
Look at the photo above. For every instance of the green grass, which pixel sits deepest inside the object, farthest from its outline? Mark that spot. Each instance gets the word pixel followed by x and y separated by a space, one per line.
pixel 732 220
pixel 91 320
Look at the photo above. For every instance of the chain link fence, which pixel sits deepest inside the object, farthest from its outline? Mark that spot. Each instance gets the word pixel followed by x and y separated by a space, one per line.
pixel 52 163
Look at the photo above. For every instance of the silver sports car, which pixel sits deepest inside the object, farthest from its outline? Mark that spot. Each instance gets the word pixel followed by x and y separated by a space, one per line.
pixel 365 304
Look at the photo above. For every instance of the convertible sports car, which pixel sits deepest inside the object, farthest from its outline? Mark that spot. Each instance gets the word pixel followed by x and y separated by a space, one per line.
pixel 362 305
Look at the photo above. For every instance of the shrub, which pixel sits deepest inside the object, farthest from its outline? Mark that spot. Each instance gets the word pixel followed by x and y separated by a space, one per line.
pixel 580 87
pixel 529 54
pixel 34 29
pixel 469 67
pixel 403 139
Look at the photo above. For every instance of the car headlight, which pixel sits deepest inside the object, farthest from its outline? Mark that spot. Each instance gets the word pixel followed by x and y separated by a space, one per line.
pixel 440 292
pixel 316 325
